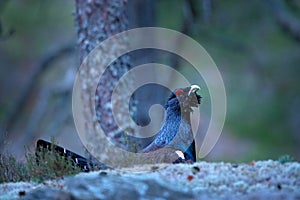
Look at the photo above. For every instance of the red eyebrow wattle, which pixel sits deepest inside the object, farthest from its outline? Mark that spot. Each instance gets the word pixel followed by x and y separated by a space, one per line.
pixel 179 92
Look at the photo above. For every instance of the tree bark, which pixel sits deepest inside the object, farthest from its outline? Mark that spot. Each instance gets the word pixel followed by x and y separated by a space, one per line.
pixel 97 20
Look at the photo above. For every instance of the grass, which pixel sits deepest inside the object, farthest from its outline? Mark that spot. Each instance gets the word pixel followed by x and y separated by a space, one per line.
pixel 40 166
pixel 11 170
pixel 286 158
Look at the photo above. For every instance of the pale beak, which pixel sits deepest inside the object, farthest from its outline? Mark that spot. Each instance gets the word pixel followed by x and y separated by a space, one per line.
pixel 194 88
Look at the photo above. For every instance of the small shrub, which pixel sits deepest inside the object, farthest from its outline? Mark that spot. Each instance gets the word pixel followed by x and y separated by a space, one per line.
pixel 11 170
pixel 42 165
pixel 49 164
pixel 285 158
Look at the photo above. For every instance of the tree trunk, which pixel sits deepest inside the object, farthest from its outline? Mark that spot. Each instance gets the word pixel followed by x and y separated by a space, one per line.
pixel 96 21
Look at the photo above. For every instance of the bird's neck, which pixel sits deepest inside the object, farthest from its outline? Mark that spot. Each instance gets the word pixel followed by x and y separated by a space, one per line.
pixel 175 116
pixel 178 113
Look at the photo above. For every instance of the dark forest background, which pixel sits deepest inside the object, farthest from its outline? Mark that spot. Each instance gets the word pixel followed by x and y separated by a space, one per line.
pixel 255 45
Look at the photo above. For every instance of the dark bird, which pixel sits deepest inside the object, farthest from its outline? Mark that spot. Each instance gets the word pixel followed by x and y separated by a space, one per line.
pixel 176 131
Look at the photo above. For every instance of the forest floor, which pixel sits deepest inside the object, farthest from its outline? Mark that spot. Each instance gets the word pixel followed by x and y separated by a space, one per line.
pixel 201 180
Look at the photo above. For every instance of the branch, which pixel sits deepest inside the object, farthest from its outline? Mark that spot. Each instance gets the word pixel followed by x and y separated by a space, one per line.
pixel 27 90
pixel 289 23
pixel 4 36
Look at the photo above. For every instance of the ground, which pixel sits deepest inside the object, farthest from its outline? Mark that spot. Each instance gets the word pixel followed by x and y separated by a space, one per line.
pixel 201 180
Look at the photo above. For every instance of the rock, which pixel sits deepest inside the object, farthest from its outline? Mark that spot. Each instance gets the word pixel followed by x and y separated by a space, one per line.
pixel 49 194
pixel 111 187
pixel 201 180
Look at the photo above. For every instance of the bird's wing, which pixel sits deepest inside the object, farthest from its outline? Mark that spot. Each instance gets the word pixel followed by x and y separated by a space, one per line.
pixel 151 147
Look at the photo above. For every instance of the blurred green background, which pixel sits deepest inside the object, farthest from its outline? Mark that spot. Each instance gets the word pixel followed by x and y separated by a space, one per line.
pixel 256 54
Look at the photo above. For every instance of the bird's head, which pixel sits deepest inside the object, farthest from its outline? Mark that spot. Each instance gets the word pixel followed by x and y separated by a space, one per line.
pixel 184 98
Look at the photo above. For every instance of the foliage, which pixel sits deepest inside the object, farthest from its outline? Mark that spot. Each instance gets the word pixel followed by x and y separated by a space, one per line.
pixel 11 170
pixel 243 37
pixel 43 165
pixel 49 164
pixel 286 158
